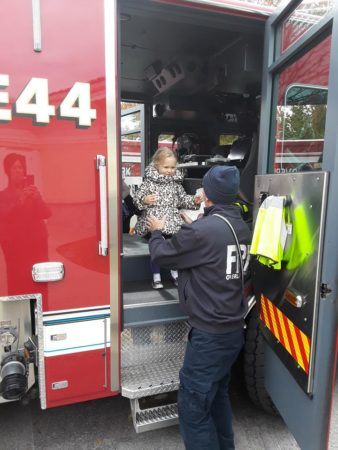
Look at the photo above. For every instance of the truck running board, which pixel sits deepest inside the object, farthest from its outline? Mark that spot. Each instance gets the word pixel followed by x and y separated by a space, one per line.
pixel 145 419
pixel 151 359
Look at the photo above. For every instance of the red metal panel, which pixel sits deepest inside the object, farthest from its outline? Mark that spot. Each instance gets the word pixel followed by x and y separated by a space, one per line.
pixel 61 222
pixel 85 374
pixel 312 68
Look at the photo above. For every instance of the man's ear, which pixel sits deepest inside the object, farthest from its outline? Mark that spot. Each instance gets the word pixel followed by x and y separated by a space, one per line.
pixel 207 202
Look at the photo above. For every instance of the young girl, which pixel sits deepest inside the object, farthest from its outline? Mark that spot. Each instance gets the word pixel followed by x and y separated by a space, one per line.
pixel 162 195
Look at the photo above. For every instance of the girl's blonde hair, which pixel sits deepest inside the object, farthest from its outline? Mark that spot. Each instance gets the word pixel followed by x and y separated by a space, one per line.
pixel 162 153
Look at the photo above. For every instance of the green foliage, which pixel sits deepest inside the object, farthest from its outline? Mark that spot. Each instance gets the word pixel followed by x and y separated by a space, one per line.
pixel 165 138
pixel 303 122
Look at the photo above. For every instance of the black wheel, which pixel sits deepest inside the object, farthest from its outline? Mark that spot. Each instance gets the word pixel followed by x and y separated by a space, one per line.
pixel 254 364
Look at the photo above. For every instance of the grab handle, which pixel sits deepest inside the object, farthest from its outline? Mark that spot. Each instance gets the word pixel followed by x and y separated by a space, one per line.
pixel 102 168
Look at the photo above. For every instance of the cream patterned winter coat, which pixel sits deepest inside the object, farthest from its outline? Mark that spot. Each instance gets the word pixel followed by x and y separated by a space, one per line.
pixel 171 197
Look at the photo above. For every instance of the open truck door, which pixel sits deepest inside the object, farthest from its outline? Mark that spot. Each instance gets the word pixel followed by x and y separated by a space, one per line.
pixel 298 161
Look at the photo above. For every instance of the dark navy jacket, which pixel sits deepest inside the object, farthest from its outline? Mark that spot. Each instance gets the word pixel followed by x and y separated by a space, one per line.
pixel 209 280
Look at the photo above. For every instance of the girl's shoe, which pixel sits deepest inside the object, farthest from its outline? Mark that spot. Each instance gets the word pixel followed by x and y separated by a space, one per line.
pixel 157 285
pixel 174 277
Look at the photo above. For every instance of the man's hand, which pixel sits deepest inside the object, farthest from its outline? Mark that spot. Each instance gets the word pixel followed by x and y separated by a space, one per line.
pixel 186 218
pixel 199 197
pixel 153 223
pixel 150 199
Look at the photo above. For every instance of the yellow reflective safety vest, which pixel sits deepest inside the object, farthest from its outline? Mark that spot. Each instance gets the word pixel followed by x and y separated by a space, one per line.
pixel 270 232
pixel 279 238
pixel 301 245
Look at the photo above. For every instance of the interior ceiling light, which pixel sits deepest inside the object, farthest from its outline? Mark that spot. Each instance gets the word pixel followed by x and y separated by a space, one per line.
pixel 125 17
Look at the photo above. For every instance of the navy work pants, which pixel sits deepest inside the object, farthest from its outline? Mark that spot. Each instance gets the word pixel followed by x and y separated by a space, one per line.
pixel 203 402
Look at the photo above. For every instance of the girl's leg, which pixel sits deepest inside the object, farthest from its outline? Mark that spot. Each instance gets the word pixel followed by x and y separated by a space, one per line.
pixel 156 272
pixel 173 273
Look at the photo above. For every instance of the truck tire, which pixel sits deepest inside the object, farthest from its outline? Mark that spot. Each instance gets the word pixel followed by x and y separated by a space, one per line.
pixel 254 364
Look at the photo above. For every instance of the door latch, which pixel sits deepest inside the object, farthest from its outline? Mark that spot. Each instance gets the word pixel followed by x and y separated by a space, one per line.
pixel 324 290
pixel 262 196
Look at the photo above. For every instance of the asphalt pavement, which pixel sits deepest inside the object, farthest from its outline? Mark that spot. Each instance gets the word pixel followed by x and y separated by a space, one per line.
pixel 107 424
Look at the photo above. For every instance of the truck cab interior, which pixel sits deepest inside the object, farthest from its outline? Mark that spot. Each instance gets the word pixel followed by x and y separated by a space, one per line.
pixel 197 74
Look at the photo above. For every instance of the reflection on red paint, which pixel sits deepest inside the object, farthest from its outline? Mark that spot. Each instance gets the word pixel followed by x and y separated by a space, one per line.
pixel 304 17
pixel 299 153
pixel 62 198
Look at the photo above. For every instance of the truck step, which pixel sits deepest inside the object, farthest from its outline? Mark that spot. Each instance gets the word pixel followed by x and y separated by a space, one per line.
pixel 151 358
pixel 147 380
pixel 144 306
pixel 154 417
pixel 136 259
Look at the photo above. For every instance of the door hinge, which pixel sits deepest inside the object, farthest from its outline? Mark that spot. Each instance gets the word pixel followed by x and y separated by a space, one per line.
pixel 324 290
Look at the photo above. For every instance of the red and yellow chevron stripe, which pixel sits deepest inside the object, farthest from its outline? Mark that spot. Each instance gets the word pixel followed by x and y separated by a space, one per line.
pixel 295 342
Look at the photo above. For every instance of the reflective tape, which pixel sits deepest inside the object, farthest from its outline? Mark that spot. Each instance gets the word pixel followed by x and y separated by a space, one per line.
pixel 295 342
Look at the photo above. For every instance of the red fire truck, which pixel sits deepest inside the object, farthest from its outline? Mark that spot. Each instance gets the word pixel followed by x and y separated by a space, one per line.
pixel 231 83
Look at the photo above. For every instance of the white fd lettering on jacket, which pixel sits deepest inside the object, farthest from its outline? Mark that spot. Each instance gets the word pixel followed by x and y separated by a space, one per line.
pixel 232 262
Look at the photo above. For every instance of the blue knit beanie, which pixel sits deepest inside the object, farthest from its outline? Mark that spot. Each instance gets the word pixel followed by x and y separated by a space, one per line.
pixel 221 184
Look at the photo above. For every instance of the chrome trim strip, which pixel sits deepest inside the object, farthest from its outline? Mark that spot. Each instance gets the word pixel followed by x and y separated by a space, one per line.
pixel 37 41
pixel 251 303
pixel 114 206
pixel 73 319
pixel 75 310
pixel 41 358
pixel 105 385
pixel 318 282
pixel 76 350
pixel 39 334
pixel 143 305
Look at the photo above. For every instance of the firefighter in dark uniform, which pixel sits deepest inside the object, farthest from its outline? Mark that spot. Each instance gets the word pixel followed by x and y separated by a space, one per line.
pixel 211 294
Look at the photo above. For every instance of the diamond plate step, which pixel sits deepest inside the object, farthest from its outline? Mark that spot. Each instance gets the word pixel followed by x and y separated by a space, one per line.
pixel 141 381
pixel 151 359
pixel 153 418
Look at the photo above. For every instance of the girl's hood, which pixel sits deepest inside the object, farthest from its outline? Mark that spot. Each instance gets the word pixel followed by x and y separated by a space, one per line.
pixel 151 173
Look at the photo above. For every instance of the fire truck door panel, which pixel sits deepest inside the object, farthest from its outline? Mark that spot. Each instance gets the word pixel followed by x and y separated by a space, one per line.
pixel 77 377
pixel 79 336
pixel 289 297
pixel 57 129
pixel 298 136
pixel 54 121
pixel 77 355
